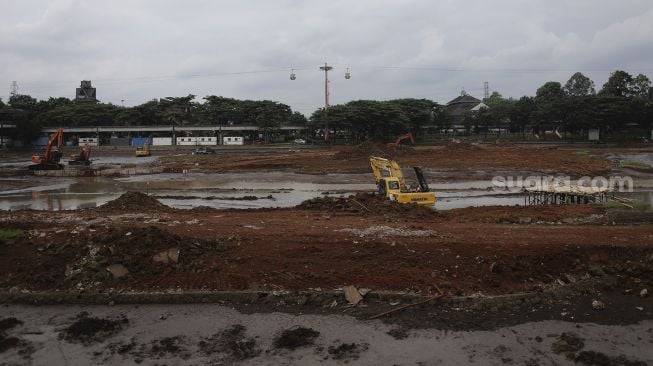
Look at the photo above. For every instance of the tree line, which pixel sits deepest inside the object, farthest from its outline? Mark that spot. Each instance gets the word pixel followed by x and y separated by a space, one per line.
pixel 30 114
pixel 623 101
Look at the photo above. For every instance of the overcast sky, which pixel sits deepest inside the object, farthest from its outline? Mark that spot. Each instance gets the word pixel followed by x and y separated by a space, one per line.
pixel 139 50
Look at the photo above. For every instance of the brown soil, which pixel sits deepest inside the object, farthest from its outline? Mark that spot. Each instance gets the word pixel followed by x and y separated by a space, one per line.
pixel 232 342
pixel 444 157
pixel 296 338
pixel 326 243
pixel 91 329
pixel 134 201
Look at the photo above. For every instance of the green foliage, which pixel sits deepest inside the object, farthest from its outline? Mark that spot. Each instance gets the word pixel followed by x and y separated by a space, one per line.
pixel 639 87
pixel 618 85
pixel 379 120
pixel 9 236
pixel 579 85
pixel 549 92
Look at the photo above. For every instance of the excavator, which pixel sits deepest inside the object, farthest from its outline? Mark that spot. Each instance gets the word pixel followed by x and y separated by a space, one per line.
pixel 405 137
pixel 83 158
pixel 391 183
pixel 143 150
pixel 51 157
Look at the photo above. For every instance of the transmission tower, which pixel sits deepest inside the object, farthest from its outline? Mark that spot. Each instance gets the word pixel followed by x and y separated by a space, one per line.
pixel 13 88
pixel 486 88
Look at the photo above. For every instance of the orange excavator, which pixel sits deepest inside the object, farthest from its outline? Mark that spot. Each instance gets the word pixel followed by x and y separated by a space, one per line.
pixel 51 157
pixel 83 158
pixel 401 138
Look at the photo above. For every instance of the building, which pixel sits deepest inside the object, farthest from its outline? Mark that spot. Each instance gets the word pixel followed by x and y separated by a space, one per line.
pixel 86 93
pixel 461 106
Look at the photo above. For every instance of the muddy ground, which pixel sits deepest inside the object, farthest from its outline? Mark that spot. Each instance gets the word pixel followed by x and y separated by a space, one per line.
pixel 494 266
pixel 355 159
pixel 217 335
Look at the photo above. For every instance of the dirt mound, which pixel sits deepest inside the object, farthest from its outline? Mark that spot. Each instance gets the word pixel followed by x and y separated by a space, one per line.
pixel 347 351
pixel 296 338
pixel 597 358
pixel 119 255
pixel 231 342
pixel 90 329
pixel 9 323
pixel 369 148
pixel 135 201
pixel 366 203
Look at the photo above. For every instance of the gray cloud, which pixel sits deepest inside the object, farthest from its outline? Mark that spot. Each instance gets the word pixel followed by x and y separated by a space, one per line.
pixel 141 50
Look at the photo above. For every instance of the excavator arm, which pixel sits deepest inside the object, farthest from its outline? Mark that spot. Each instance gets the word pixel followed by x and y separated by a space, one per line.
pixel 382 167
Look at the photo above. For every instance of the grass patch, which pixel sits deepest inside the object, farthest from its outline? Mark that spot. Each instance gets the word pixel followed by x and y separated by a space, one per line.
pixel 637 205
pixel 634 164
pixel 8 236
pixel 582 153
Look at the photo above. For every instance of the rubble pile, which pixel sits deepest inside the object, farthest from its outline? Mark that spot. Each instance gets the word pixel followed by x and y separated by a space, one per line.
pixel 366 203
pixel 135 201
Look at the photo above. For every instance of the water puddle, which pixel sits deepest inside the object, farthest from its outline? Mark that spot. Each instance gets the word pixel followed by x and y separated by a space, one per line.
pixel 236 190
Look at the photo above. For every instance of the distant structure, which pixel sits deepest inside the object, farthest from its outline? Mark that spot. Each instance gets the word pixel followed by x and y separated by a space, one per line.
pixel 486 90
pixel 460 106
pixel 13 89
pixel 85 93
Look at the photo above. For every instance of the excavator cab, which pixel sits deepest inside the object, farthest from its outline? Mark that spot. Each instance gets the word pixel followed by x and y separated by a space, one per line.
pixel 391 184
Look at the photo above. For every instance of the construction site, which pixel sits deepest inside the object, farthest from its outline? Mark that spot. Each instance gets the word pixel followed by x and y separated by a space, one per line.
pixel 328 230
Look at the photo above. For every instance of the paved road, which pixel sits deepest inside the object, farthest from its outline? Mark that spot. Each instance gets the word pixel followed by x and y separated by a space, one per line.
pixel 205 335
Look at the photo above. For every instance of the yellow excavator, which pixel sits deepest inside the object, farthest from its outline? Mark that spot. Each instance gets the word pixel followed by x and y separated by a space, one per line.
pixel 143 150
pixel 391 183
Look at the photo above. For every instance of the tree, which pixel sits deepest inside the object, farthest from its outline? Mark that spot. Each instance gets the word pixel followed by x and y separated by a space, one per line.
pixel 521 113
pixel 550 91
pixel 579 85
pixel 494 99
pixel 618 85
pixel 23 102
pixel 640 86
pixel 178 110
pixel 297 119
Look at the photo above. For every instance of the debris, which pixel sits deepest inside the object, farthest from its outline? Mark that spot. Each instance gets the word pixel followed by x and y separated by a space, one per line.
pixel 496 267
pixel 352 295
pixel 295 338
pixel 347 351
pixel 598 358
pixel 598 305
pixel 89 329
pixel 438 296
pixel 232 341
pixel 567 343
pixel 9 323
pixel 167 256
pixel 643 293
pixel 118 270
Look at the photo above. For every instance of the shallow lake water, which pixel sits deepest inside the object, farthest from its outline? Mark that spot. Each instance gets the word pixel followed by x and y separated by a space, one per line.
pixel 236 190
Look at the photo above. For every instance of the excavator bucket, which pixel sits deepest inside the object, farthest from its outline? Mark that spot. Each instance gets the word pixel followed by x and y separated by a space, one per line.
pixel 423 185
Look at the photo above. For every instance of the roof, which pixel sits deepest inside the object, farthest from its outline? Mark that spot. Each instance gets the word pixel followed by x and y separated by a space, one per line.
pixel 464 99
pixel 462 104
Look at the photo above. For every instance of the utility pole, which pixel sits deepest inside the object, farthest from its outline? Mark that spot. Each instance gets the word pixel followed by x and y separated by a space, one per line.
pixel 326 68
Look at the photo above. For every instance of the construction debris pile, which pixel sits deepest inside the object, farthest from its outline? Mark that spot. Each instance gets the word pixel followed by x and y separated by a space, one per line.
pixel 366 203
pixel 135 201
